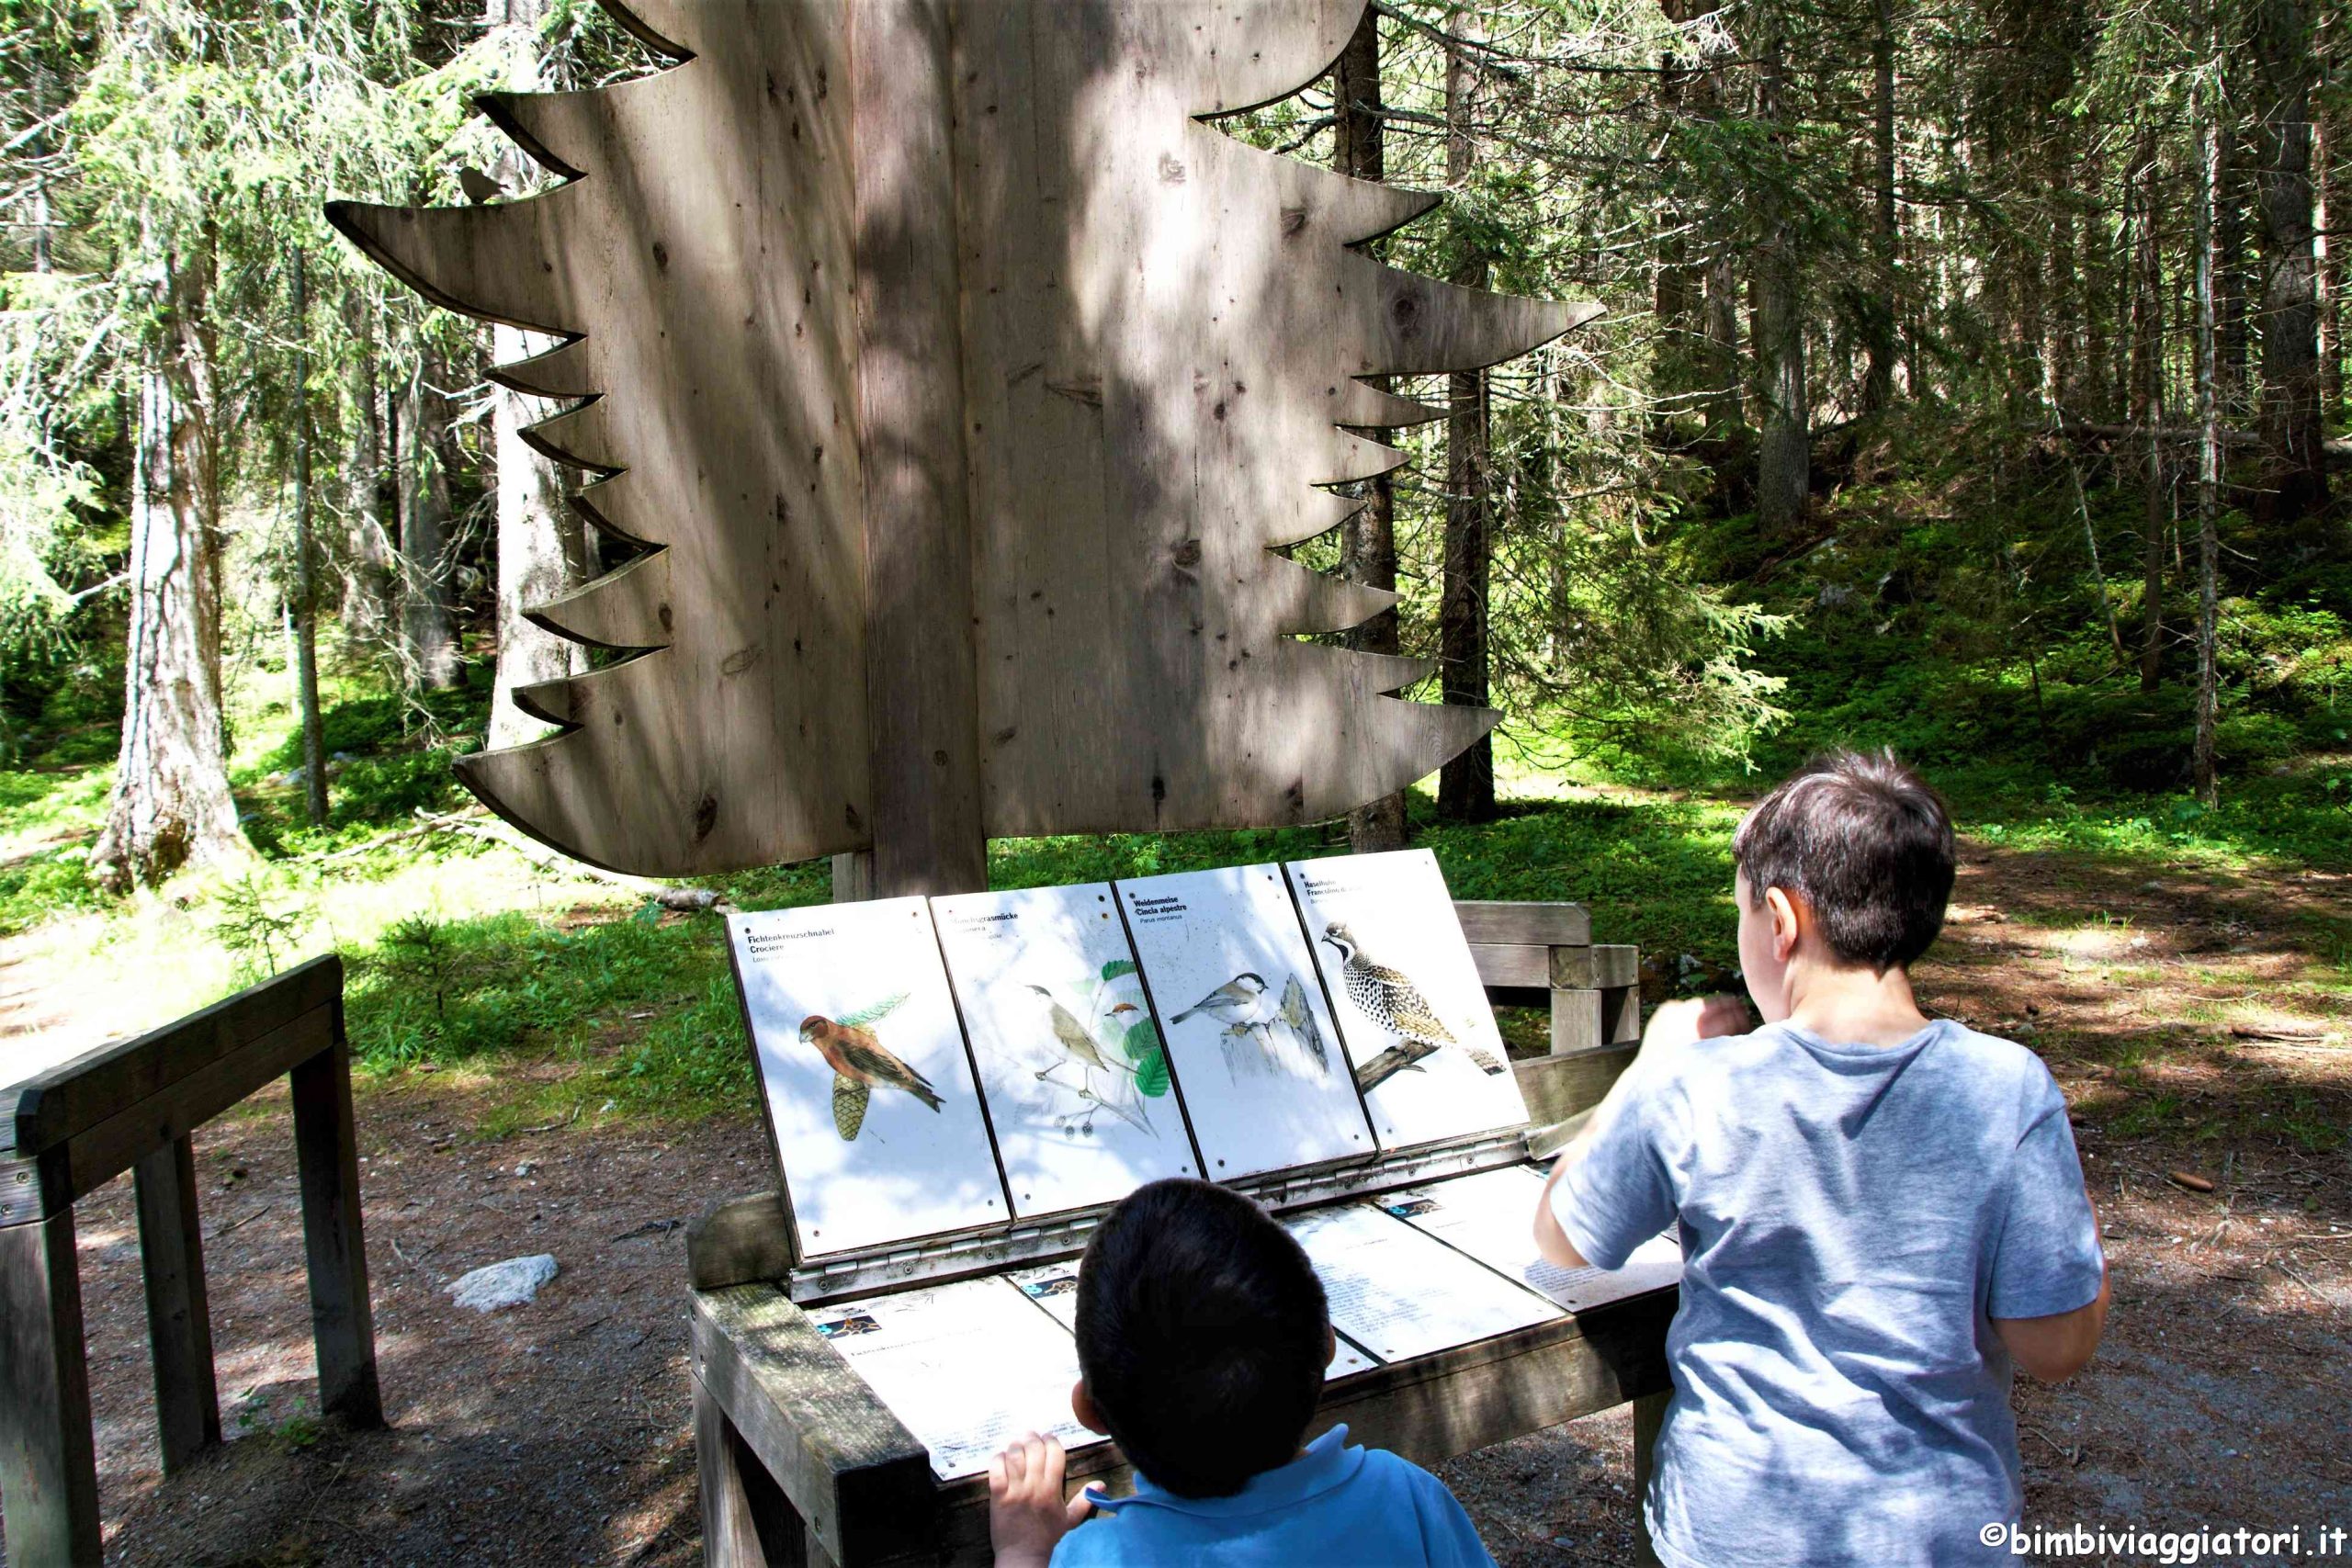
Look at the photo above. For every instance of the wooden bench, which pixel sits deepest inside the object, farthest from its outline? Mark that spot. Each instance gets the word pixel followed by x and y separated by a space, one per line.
pixel 801 1464
pixel 132 1107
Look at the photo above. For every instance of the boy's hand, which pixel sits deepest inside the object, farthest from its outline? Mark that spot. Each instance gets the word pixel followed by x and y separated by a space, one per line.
pixel 1689 1018
pixel 1027 1513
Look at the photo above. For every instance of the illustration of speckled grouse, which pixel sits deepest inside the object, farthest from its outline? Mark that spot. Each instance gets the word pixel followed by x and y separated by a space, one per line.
pixel 859 1062
pixel 1390 1000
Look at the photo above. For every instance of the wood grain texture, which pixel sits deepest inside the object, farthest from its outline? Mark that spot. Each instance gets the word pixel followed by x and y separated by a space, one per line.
pixel 965 384
pixel 922 691
pixel 1557 1087
pixel 1578 1023
pixel 49 1486
pixel 179 1318
pixel 845 1464
pixel 342 1317
pixel 746 1522
pixel 1529 925
pixel 703 256
pixel 735 1241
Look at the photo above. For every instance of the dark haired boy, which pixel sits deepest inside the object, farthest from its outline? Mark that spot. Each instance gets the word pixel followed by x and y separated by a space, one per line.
pixel 1202 1339
pixel 1879 1214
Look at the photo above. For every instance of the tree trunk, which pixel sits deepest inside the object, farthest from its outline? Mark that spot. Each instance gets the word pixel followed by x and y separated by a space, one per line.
pixel 2209 467
pixel 371 508
pixel 542 545
pixel 2229 280
pixel 428 623
pixel 306 593
pixel 1465 791
pixel 1878 383
pixel 2148 383
pixel 2295 465
pixel 2329 276
pixel 1785 448
pixel 1368 539
pixel 171 805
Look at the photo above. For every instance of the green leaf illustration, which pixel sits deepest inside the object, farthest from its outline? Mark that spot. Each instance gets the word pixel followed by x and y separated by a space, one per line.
pixel 1151 1075
pixel 1143 1048
pixel 1119 966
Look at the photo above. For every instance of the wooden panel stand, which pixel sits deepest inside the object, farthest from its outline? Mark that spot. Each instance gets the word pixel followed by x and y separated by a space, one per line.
pixel 132 1107
pixel 801 1463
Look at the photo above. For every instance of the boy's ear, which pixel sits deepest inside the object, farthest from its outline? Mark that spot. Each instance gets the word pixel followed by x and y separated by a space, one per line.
pixel 1081 1405
pixel 1790 920
pixel 1331 1345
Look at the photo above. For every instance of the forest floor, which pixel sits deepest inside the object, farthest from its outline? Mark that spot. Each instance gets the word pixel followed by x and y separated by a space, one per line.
pixel 2199 1020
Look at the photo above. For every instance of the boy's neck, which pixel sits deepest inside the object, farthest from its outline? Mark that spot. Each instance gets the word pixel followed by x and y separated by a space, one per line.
pixel 1848 1004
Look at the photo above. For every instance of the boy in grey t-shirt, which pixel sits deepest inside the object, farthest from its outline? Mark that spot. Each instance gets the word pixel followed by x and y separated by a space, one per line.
pixel 1880 1215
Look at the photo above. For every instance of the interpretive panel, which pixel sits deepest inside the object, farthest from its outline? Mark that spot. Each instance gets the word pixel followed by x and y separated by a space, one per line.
pixel 1078 1086
pixel 1265 1080
pixel 1420 1036
pixel 879 1134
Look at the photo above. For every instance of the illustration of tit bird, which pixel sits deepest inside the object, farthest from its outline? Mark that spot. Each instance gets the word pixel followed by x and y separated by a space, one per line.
pixel 859 1062
pixel 1240 1003
pixel 1390 1000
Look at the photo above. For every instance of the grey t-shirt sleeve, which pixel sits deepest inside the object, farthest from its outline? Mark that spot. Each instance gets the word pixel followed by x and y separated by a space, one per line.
pixel 2047 1260
pixel 1622 1193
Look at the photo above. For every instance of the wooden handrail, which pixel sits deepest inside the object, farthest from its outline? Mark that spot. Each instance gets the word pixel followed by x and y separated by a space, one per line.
pixel 53 1105
pixel 133 1106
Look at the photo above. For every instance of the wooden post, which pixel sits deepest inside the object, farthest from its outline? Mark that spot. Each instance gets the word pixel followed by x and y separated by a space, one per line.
pixel 1650 1418
pixel 327 1151
pixel 179 1322
pixel 49 1483
pixel 747 1522
pixel 922 684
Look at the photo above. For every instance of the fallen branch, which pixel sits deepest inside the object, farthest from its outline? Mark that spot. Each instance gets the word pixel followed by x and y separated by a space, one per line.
pixel 2338 451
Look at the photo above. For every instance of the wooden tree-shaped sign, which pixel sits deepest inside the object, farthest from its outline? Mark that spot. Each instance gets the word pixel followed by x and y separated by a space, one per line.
pixel 960 386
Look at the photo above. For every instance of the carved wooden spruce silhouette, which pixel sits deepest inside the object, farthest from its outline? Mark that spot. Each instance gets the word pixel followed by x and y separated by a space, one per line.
pixel 959 385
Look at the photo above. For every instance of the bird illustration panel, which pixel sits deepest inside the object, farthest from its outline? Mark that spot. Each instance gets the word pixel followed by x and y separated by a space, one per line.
pixel 1420 1034
pixel 1077 1084
pixel 1249 1033
pixel 879 1134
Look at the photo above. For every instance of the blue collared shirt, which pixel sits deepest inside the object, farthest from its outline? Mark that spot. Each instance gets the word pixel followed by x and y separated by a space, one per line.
pixel 1348 1507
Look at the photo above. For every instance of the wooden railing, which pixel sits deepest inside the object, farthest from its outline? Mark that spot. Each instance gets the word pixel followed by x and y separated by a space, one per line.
pixel 132 1107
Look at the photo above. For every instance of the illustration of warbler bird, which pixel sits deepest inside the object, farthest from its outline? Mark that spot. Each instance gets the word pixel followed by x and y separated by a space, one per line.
pixel 859 1062
pixel 1240 1003
pixel 1390 1000
pixel 1070 1034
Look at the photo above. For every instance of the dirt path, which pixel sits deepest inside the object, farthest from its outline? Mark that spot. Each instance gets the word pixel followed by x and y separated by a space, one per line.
pixel 2199 1024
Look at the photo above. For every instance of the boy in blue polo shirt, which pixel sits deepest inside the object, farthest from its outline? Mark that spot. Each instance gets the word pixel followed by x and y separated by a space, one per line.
pixel 1880 1214
pixel 1202 1335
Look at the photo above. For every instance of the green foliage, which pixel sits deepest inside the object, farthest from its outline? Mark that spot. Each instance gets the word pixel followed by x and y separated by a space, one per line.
pixel 1143 1047
pixel 252 928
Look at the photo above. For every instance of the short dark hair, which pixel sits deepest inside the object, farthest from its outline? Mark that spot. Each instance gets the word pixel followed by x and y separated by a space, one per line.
pixel 1202 1334
pixel 1870 846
